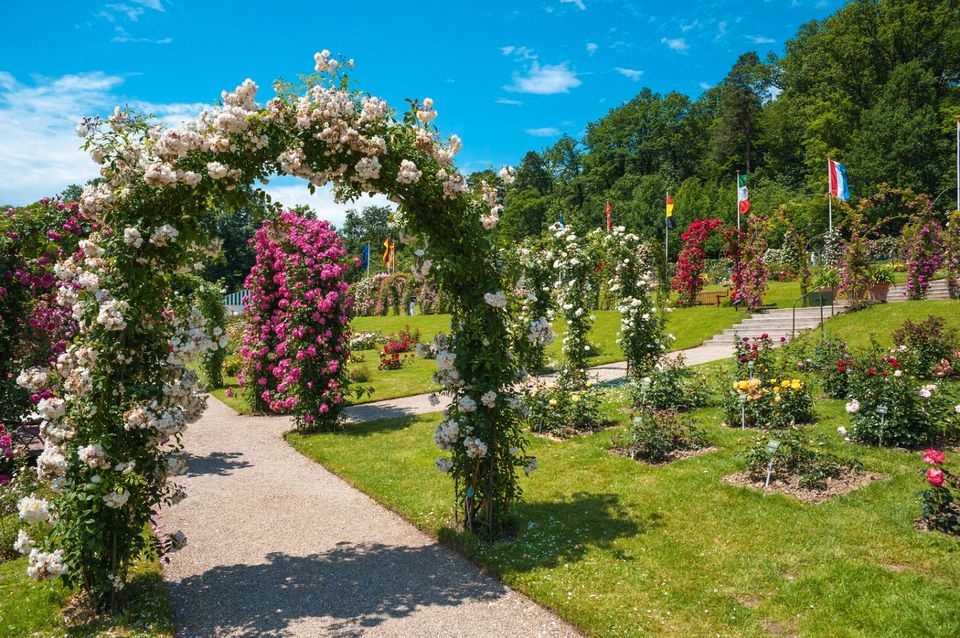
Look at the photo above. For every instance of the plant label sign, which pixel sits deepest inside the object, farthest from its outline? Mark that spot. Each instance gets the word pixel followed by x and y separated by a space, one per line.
pixel 772 446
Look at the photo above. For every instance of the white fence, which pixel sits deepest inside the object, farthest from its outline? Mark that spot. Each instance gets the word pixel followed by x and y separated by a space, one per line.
pixel 234 301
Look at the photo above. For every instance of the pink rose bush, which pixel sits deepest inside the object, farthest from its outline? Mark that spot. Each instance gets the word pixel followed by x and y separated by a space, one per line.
pixel 938 505
pixel 295 345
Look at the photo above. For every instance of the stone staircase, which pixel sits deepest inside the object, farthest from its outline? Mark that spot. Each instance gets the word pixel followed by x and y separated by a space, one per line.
pixel 779 322
pixel 775 323
pixel 937 290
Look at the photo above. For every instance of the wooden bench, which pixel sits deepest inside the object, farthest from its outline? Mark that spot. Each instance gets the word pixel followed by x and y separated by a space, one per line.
pixel 711 298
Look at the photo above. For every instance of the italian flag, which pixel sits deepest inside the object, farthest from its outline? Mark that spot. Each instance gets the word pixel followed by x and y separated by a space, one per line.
pixel 743 198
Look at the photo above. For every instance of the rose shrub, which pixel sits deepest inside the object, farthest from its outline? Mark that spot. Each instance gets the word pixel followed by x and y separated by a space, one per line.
pixel 655 436
pixel 298 313
pixel 938 505
pixel 890 405
pixel 798 456
pixel 123 393
pixel 688 280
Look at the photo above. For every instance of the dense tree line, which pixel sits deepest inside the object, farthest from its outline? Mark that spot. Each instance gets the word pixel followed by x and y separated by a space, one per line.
pixel 874 86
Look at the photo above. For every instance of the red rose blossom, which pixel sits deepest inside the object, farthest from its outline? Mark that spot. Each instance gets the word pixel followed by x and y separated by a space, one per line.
pixel 935 477
pixel 934 457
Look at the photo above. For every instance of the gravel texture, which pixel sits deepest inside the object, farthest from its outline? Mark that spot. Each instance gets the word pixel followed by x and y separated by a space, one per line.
pixel 278 546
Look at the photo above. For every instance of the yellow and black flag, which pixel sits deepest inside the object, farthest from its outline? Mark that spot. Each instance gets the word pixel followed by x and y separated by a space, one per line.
pixel 669 221
pixel 389 250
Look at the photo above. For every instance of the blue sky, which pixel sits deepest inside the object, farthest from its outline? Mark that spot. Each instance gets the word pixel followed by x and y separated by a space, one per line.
pixel 506 77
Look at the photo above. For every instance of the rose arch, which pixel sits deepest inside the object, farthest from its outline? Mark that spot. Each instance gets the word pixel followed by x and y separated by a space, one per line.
pixel 125 393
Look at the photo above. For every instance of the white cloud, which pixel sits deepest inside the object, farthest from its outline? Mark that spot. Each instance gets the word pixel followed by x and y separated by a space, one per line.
pixel 676 44
pixel 547 131
pixel 509 102
pixel 39 152
pixel 547 79
pixel 132 13
pixel 124 37
pixel 689 26
pixel 592 47
pixel 760 39
pixel 156 5
pixel 291 192
pixel 579 4
pixel 721 29
pixel 524 53
pixel 705 86
pixel 633 74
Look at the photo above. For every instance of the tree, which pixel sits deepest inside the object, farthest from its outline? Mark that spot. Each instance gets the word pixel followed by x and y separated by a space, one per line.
pixel 371 225
pixel 742 94
pixel 900 137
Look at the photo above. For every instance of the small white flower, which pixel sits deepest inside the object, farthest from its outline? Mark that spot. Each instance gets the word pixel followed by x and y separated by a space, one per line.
pixel 497 299
pixel 34 510
pixel 115 500
pixel 489 399
pixel 842 431
pixel 466 404
pixel 23 543
pixel 444 464
pixel 132 237
pixel 853 407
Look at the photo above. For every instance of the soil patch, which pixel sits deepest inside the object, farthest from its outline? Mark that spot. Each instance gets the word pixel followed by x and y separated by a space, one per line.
pixel 847 482
pixel 677 455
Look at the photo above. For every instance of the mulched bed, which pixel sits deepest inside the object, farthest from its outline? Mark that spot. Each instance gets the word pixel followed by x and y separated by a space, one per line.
pixel 678 455
pixel 848 482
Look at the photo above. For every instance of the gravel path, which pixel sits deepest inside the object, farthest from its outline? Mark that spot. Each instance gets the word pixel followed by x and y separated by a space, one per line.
pixel 279 546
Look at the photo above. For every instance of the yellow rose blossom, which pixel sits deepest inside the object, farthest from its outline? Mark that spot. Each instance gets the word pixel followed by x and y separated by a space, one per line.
pixel 553 402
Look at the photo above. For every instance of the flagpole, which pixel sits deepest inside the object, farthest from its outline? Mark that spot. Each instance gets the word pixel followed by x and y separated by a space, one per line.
pixel 829 199
pixel 666 237
pixel 738 200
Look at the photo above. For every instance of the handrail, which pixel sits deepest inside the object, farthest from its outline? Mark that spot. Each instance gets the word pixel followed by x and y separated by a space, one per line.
pixel 793 327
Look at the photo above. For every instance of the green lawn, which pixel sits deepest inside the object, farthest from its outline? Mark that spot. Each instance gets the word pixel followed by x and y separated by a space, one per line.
pixel 620 548
pixel 28 608
pixel 880 320
pixel 691 327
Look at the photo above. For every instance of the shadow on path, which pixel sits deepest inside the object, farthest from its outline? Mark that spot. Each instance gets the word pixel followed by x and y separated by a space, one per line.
pixel 219 463
pixel 352 588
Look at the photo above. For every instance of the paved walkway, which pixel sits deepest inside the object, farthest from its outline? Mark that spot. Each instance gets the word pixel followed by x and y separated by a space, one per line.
pixel 279 546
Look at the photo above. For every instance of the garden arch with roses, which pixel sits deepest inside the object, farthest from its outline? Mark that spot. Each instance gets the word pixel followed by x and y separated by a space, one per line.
pixel 122 394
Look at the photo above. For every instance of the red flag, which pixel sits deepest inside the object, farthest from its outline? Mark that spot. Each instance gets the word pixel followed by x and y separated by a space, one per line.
pixel 609 223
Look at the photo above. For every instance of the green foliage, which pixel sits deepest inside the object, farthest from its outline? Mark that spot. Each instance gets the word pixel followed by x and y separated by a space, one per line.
pixel 232 365
pixel 360 374
pixel 798 455
pixel 833 362
pixel 671 386
pixel 892 406
pixel 563 408
pixel 656 436
pixel 929 342
pixel 208 298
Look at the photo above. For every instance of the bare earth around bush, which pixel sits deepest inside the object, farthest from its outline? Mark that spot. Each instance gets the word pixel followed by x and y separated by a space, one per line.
pixel 848 482
pixel 279 546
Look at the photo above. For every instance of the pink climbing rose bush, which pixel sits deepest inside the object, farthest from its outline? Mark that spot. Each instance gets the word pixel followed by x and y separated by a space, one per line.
pixel 295 346
pixel 749 272
pixel 688 280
